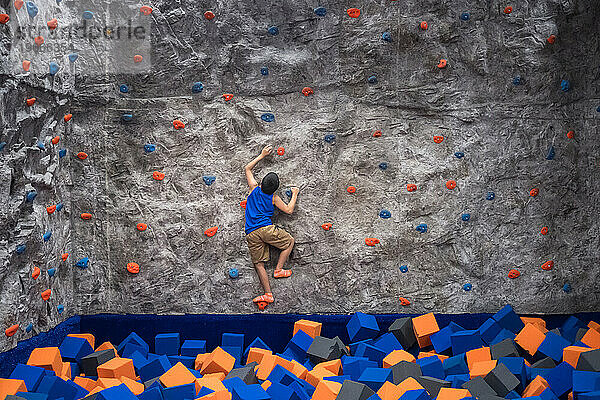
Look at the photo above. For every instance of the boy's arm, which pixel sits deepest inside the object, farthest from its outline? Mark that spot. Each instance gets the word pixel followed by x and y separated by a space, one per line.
pixel 289 207
pixel 248 168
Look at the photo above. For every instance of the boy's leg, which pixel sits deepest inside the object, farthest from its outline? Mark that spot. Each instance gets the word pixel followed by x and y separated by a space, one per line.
pixel 279 238
pixel 262 276
pixel 283 256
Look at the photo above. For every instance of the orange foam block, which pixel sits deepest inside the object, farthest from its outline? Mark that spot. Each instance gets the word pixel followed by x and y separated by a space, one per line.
pixel 594 325
pixel 86 383
pixel 218 375
pixel 11 386
pixel 395 357
pixel 135 387
pixel 326 390
pixel 47 358
pixel 267 363
pixel 538 322
pixel 117 368
pixel 265 385
pixel 453 394
pixel 409 383
pixel 311 328
pixel 482 368
pixel 334 366
pixel 210 383
pixel 591 338
pixel 571 354
pixel 388 391
pixel 536 387
pixel 478 355
pixel 105 383
pixel 107 346
pixel 217 361
pixel 316 375
pixel 220 395
pixel 65 372
pixel 87 336
pixel 199 361
pixel 180 375
pixel 424 326
pixel 530 338
pixel 255 354
pixel 425 354
pixel 299 370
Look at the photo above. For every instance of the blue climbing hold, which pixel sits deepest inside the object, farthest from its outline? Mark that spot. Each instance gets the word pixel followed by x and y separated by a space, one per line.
pixel 41 146
pixel 385 214
pixel 421 228
pixel 21 248
pixel 517 80
pixel 465 16
pixel 565 85
pixel 83 263
pixel 566 288
pixel 32 9
pixel 467 287
pixel 209 180
pixel 465 217
pixel 321 11
pixel 598 109
pixel 60 308
pixel 330 138
pixel 62 153
pixel 386 36
pixel 197 87
pixel 372 79
pixel 127 117
pixel 288 193
pixel 124 88
pixel 551 153
pixel 264 71
pixel 2 144
pixel 273 30
pixel 233 273
pixel 53 68
pixel 51 272
pixel 31 195
pixel 73 57
pixel 88 15
pixel 459 154
pixel 383 166
pixel 47 236
pixel 404 269
pixel 59 206
pixel 490 196
pixel 268 117
pixel 29 328
pixel 149 148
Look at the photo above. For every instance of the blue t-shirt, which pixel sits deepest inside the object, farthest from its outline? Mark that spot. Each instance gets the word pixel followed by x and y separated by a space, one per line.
pixel 259 210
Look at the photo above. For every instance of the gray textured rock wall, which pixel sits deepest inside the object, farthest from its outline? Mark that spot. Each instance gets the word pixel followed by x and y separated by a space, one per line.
pixel 504 130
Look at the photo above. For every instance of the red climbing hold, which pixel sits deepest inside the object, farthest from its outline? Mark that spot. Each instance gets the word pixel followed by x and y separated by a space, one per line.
pixel 137 58
pixel 177 124
pixel 371 241
pixel 570 134
pixel 451 184
pixel 26 65
pixel 146 10
pixel 36 272
pixel 351 189
pixel 133 268
pixel 327 226
pixel 159 176
pixel 227 96
pixel 307 91
pixel 442 64
pixel 39 40
pixel 209 15
pixel 551 39
pixel 55 139
pixel 18 4
pixel 243 204
pixel 141 227
pixel 353 12
pixel 514 274
pixel 544 230
pixel 507 10
pixel 12 330
pixel 81 155
pixel 548 265
pixel 30 101
pixel 4 18
pixel 68 117
pixel 534 192
pixel 424 25
pixel 404 301
pixel 52 24
pixel 46 294
pixel 411 187
pixel 377 133
pixel 210 232
pixel 438 139
pixel 280 151
pixel 86 216
pixel 51 209
pixel 64 256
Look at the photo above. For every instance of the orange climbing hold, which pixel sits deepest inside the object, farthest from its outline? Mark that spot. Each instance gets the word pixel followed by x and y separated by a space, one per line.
pixel 351 189
pixel 51 209
pixel 30 101
pixel 55 139
pixel 18 4
pixel 534 192
pixel 39 40
pixel 570 134
pixel 327 226
pixel 133 268
pixel 404 301
pixel 508 10
pixel 64 256
pixel 210 232
pixel 141 227
pixel 146 10
pixel 138 58
pixel 548 265
pixel 159 176
pixel 551 39
pixel 46 294
pixel 52 24
pixel 227 96
pixel 4 18
pixel 411 187
pixel 177 124
pixel 377 133
pixel 36 273
pixel 451 184
pixel 424 25
pixel 544 230
pixel 438 139
pixel 26 65
pixel 86 216
pixel 307 91
pixel 81 155
pixel 280 151
pixel 209 15
pixel 12 330
pixel 353 12
pixel 243 203
pixel 442 64
pixel 68 117
pixel 514 274
pixel 371 241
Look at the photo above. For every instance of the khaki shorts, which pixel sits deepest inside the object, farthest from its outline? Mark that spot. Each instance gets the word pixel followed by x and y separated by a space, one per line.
pixel 260 239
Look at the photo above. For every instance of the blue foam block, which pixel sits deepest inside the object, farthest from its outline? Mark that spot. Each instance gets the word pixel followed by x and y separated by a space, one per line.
pixel 560 378
pixel 204 391
pixel 186 361
pixel 299 389
pixel 432 366
pixel 455 365
pixel 585 381
pixel 131 348
pixel 299 345
pixel 339 379
pixel 375 377
pixel 372 353
pixel 548 395
pixel 354 366
pixel 180 392
pixel 79 391
pixel 553 346
pixel 250 392
pixel 132 338
pixel 362 326
pixel 354 346
pixel 589 396
pixel 516 365
pixel 419 394
pixel 120 392
pixel 236 352
pixel 508 319
pixel 570 327
pixel 32 376
pixel 281 392
pixel 138 360
pixel 33 396
pixel 282 375
pixel 167 344
pixel 464 341
pixel 56 388
pixel 151 394
pixel 233 382
pixel 374 397
pixel 191 348
pixel 512 395
pixel 504 334
pixel 458 380
pixel 388 343
pixel 232 340
pixel 74 348
pixel 489 330
pixel 441 339
pixel 153 368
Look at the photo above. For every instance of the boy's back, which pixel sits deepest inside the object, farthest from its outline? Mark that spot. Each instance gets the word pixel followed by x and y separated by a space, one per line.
pixel 259 210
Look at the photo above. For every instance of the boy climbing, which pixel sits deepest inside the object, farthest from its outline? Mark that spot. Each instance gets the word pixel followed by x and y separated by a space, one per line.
pixel 260 231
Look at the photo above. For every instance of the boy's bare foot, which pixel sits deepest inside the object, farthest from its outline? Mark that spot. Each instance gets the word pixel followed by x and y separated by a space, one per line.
pixel 267 298
pixel 282 273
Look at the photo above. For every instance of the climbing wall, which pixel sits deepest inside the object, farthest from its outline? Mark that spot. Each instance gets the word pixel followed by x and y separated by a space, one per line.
pixel 446 155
